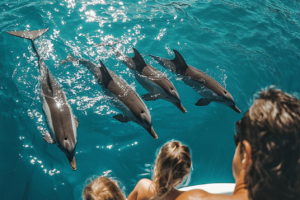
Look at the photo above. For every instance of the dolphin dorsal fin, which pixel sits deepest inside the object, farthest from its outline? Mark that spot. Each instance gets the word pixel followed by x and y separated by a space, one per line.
pixel 106 77
pixel 181 64
pixel 141 63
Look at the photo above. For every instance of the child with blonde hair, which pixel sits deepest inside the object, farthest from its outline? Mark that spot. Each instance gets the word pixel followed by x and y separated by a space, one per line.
pixel 102 188
pixel 173 164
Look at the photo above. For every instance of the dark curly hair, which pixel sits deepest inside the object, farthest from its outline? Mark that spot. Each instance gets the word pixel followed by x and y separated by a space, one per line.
pixel 272 127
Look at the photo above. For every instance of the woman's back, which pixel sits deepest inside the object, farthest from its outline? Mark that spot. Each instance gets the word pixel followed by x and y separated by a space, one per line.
pixel 143 191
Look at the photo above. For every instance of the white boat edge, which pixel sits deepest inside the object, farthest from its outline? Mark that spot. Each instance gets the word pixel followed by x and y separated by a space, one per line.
pixel 214 188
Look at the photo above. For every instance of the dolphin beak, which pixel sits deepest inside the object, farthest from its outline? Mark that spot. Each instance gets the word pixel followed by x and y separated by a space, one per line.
pixel 236 109
pixel 73 163
pixel 152 132
pixel 180 106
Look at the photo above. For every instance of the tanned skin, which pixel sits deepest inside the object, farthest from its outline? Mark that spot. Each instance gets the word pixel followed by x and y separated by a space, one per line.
pixel 241 162
pixel 144 191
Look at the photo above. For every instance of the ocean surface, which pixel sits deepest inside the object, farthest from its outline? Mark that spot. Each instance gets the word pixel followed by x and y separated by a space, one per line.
pixel 245 45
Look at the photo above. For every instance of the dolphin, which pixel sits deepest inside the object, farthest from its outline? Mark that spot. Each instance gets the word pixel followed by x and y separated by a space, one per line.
pixel 205 85
pixel 124 97
pixel 60 119
pixel 154 81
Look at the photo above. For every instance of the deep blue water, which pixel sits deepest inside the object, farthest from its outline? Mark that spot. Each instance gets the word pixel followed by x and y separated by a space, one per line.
pixel 244 45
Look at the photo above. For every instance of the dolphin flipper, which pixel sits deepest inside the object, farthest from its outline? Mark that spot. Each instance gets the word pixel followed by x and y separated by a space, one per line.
pixel 149 97
pixel 121 118
pixel 138 58
pixel 48 138
pixel 76 122
pixel 70 58
pixel 203 102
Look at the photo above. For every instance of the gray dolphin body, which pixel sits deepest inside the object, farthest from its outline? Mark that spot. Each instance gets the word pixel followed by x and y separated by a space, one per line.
pixel 60 119
pixel 205 85
pixel 154 81
pixel 124 97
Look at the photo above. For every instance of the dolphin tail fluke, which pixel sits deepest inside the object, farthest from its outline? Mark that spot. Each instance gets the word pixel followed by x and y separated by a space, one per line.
pixel 70 58
pixel 106 77
pixel 30 35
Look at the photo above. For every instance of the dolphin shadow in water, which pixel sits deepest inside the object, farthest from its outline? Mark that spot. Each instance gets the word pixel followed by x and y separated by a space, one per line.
pixel 60 119
pixel 205 85
pixel 124 97
pixel 151 79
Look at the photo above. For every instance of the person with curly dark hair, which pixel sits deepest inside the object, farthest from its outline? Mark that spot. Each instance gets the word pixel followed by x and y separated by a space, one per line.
pixel 266 164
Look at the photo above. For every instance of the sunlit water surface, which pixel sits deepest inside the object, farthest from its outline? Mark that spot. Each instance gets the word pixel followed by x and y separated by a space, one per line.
pixel 244 45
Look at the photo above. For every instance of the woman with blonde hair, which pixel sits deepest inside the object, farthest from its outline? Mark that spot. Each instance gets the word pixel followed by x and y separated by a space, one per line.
pixel 172 166
pixel 102 188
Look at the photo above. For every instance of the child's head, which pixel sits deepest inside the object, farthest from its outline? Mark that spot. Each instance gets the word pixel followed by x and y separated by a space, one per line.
pixel 172 165
pixel 102 188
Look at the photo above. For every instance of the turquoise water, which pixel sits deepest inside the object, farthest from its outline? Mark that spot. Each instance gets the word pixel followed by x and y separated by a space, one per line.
pixel 244 45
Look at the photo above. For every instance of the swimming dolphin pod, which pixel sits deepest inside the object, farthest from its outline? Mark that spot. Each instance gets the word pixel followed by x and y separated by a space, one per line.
pixel 60 118
pixel 63 124
pixel 154 81
pixel 124 97
pixel 205 85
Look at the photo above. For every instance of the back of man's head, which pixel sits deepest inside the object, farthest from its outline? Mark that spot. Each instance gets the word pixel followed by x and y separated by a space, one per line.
pixel 272 127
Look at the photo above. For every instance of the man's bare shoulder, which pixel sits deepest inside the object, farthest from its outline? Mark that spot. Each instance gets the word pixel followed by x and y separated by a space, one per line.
pixel 198 194
pixel 192 194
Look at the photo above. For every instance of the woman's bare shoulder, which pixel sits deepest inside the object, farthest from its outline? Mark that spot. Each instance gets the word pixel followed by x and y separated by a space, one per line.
pixel 144 188
pixel 144 183
pixel 191 194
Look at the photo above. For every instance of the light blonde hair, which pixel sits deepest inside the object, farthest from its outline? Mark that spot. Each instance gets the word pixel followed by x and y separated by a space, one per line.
pixel 172 166
pixel 102 188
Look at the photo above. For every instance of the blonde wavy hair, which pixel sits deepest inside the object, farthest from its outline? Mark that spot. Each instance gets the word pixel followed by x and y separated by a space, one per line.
pixel 102 188
pixel 173 164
